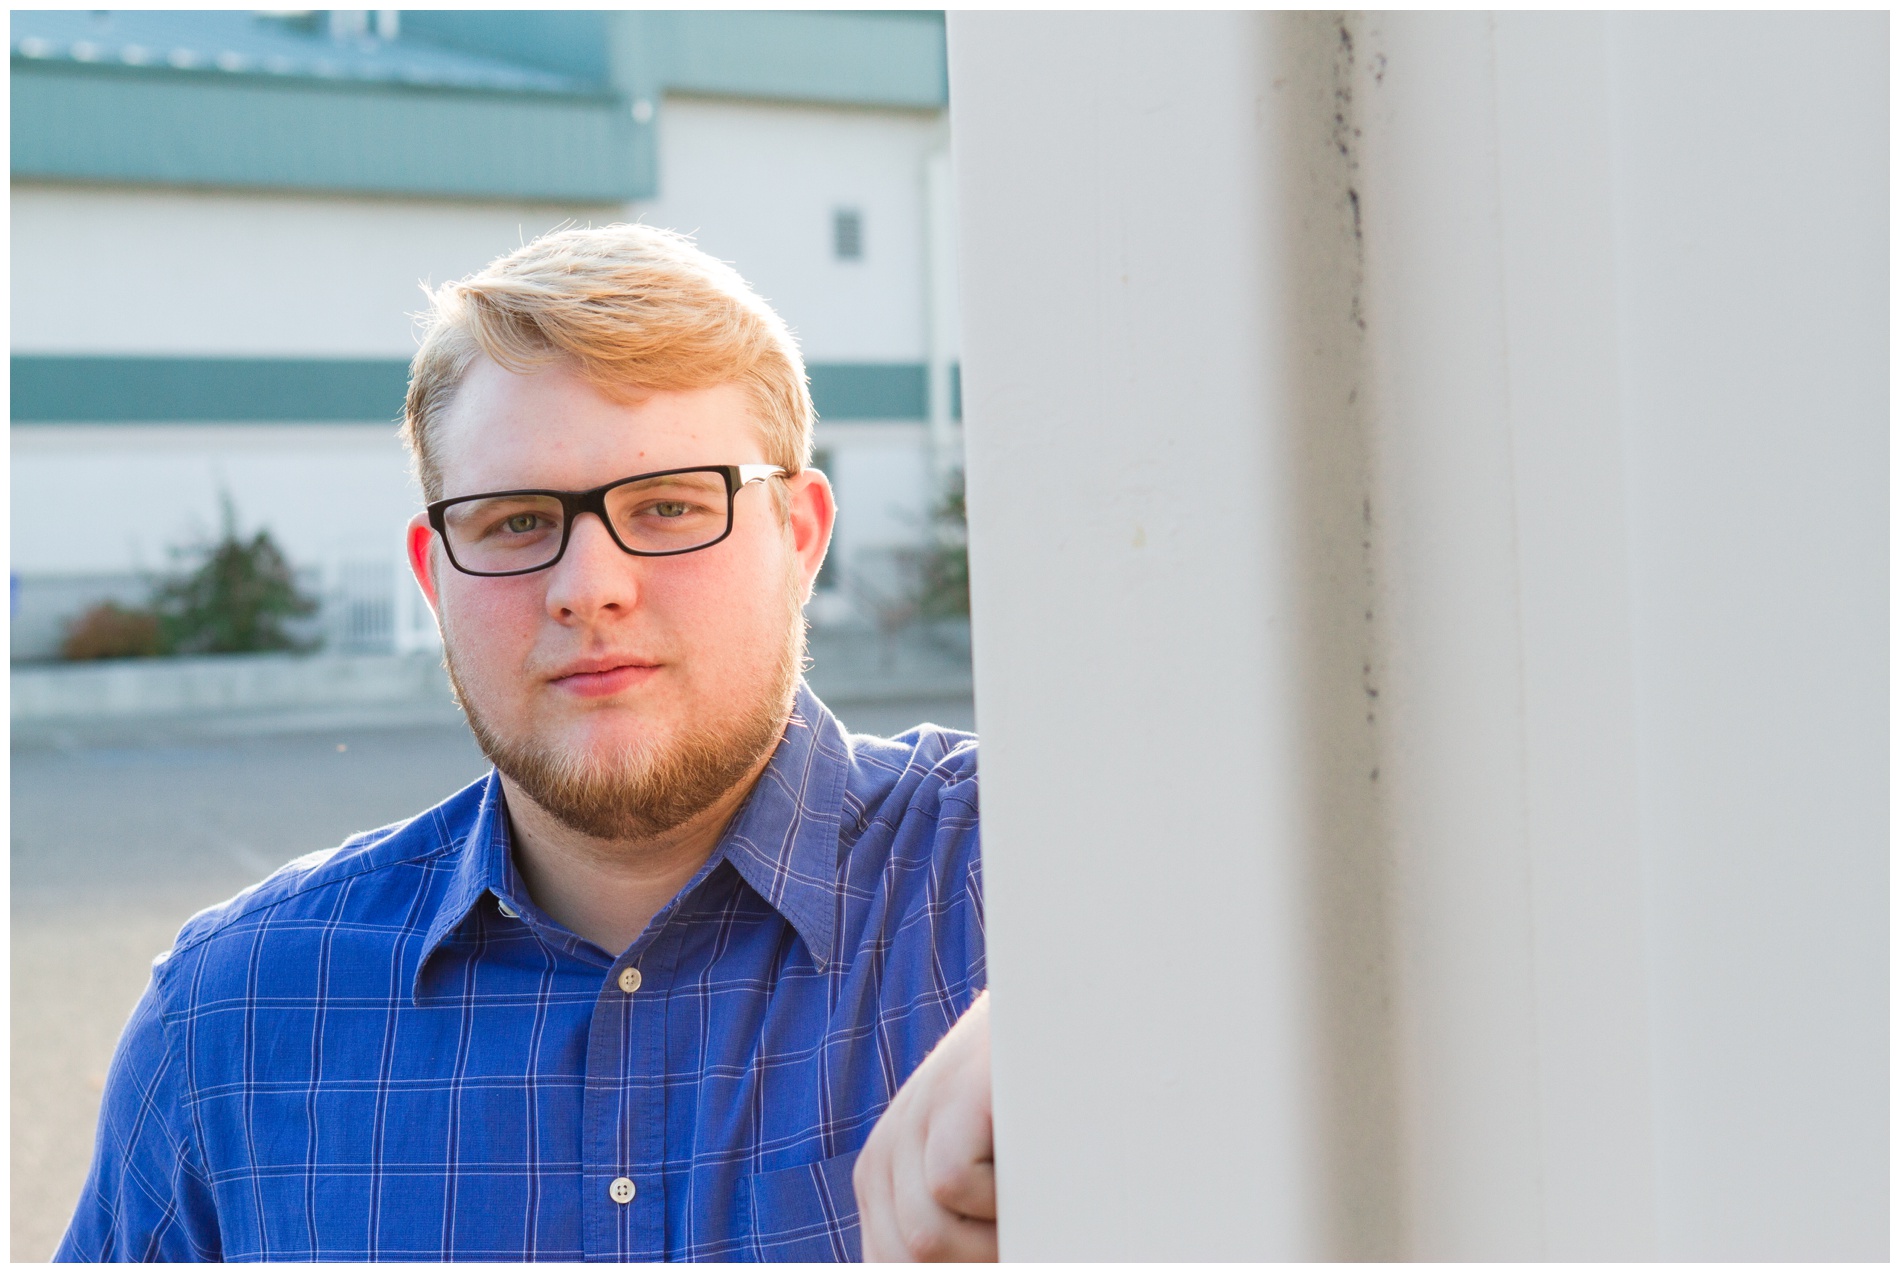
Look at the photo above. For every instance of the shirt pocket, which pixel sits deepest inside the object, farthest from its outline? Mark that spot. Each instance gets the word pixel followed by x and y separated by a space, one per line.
pixel 806 1213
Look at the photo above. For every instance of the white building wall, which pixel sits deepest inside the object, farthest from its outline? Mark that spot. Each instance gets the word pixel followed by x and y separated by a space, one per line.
pixel 327 492
pixel 147 271
pixel 123 270
pixel 757 184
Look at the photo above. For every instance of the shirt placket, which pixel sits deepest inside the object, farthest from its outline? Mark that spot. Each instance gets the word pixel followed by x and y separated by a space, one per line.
pixel 624 1113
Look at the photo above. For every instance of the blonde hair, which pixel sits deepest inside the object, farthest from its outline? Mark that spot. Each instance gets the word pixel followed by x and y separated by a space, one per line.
pixel 632 308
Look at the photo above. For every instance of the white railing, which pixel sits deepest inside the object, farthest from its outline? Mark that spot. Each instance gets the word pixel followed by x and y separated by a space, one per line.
pixel 375 607
pixel 414 621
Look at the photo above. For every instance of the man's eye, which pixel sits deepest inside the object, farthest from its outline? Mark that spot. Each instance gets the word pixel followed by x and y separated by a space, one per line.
pixel 521 523
pixel 670 508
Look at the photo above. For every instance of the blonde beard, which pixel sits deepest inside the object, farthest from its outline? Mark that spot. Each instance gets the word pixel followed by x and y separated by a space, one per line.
pixel 637 791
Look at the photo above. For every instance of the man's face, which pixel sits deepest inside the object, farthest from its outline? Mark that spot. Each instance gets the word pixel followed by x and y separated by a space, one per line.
pixel 618 690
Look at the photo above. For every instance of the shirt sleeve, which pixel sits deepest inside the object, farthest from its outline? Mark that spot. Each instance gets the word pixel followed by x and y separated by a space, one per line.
pixel 959 846
pixel 147 1196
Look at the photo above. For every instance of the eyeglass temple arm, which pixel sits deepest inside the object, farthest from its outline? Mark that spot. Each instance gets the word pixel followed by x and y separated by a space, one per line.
pixel 749 473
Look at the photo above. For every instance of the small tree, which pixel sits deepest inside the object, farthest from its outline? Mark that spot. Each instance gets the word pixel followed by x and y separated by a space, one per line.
pixel 236 600
pixel 944 582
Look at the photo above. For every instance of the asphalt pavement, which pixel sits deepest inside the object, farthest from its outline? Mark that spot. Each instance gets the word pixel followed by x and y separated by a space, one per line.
pixel 117 842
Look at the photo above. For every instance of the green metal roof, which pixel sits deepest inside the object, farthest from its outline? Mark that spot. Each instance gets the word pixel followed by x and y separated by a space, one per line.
pixel 846 59
pixel 75 124
pixel 470 104
pixel 227 42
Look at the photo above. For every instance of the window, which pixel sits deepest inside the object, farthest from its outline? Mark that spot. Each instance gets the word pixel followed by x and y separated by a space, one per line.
pixel 847 234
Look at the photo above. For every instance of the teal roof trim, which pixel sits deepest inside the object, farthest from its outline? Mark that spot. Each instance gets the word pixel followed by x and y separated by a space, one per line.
pixel 74 123
pixel 870 390
pixel 62 389
pixel 108 390
pixel 844 59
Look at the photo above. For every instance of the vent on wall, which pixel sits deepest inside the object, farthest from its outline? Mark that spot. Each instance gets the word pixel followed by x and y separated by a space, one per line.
pixel 847 234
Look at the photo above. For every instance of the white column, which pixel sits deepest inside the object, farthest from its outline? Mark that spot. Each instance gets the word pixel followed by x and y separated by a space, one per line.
pixel 1627 328
pixel 1753 207
pixel 1136 634
pixel 1427 492
pixel 1506 727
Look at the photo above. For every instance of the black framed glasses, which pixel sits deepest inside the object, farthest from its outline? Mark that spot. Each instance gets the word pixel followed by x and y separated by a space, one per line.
pixel 649 515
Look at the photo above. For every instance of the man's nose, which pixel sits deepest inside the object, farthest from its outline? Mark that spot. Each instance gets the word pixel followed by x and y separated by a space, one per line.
pixel 594 575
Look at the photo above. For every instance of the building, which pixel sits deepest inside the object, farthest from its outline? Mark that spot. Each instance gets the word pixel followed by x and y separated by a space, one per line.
pixel 220 221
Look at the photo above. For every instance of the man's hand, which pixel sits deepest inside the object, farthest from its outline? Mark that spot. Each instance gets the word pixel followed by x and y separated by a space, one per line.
pixel 926 1180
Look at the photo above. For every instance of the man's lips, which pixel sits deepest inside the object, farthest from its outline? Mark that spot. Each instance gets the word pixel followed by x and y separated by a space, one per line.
pixel 597 678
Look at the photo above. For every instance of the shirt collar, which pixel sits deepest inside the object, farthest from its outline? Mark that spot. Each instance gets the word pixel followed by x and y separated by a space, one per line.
pixel 783 841
pixel 483 865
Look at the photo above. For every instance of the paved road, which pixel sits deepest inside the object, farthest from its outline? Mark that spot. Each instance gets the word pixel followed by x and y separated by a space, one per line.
pixel 115 846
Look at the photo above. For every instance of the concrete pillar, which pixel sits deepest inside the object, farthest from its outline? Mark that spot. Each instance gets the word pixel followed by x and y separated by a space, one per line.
pixel 1504 658
pixel 1751 169
pixel 1134 366
pixel 1426 483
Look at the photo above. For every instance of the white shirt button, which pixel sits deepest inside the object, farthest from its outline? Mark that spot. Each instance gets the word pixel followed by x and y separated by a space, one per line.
pixel 629 982
pixel 621 1191
pixel 506 909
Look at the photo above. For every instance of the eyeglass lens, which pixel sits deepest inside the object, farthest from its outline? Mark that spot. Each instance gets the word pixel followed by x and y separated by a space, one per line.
pixel 673 513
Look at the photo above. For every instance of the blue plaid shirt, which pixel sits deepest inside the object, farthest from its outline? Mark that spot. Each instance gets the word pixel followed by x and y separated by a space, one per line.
pixel 387 1051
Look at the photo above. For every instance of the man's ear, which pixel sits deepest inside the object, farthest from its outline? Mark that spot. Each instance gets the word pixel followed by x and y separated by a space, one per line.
pixel 813 513
pixel 420 539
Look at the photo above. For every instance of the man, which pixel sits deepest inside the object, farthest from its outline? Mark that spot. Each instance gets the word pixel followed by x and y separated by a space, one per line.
pixel 644 991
